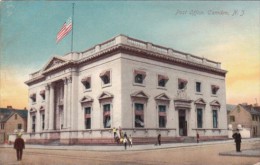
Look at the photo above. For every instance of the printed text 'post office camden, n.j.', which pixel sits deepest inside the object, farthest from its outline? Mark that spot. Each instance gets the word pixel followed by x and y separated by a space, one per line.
pixel 210 12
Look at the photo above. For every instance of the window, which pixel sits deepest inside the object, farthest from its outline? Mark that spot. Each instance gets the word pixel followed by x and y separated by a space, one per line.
pixel 182 83
pixel 106 116
pixel 162 116
pixel 215 119
pixel 15 116
pixel 214 89
pixel 19 126
pixel 88 118
pixel 162 80
pixel 42 93
pixel 33 123
pixel 198 87
pixel 105 77
pixel 139 77
pixel 139 115
pixel 43 121
pixel 199 118
pixel 33 97
pixel 86 82
pixel 232 118
pixel 2 126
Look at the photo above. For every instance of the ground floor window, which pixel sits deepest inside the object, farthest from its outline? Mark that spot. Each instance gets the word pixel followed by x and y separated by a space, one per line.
pixel 199 118
pixel 43 121
pixel 33 123
pixel 106 116
pixel 162 116
pixel 139 115
pixel 215 119
pixel 2 126
pixel 19 126
pixel 88 118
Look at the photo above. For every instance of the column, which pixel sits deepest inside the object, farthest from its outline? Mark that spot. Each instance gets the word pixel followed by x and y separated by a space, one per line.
pixel 29 123
pixel 38 121
pixel 51 107
pixel 69 98
pixel 47 97
pixel 65 103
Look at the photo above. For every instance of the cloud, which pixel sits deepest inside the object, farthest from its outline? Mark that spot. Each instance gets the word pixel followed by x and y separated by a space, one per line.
pixel 13 90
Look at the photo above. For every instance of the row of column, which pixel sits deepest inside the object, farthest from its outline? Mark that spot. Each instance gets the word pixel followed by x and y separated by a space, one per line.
pixel 50 105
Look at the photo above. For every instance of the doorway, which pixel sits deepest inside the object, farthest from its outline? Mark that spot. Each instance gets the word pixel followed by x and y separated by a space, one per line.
pixel 182 123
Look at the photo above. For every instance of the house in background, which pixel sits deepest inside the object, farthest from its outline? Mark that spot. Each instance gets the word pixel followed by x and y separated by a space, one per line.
pixel 12 120
pixel 248 116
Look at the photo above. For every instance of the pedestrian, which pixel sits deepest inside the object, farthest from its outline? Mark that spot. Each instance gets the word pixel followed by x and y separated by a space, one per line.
pixel 130 141
pixel 237 138
pixel 159 139
pixel 114 131
pixel 19 146
pixel 120 132
pixel 125 142
pixel 125 135
pixel 198 137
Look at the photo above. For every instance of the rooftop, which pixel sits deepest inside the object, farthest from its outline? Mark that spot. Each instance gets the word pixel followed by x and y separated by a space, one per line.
pixel 138 48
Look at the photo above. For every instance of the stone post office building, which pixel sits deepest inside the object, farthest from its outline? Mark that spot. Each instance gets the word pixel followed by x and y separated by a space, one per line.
pixel 145 89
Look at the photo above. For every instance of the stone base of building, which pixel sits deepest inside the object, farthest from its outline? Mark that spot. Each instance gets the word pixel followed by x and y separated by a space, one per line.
pixel 106 137
pixel 111 141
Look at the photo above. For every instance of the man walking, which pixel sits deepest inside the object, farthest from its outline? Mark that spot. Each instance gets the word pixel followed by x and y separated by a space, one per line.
pixel 237 138
pixel 19 146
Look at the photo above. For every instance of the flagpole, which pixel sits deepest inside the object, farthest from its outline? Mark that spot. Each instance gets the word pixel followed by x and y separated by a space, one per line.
pixel 72 26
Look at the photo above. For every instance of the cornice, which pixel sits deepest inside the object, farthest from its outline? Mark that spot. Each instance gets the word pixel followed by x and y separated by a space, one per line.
pixel 134 51
pixel 130 50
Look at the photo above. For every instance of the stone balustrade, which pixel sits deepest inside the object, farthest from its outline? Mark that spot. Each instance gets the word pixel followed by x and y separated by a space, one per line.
pixel 122 39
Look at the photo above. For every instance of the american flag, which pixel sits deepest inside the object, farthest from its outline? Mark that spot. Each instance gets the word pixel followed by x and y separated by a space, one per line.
pixel 65 29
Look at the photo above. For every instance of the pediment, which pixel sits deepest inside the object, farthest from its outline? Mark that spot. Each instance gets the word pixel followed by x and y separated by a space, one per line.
pixel 105 95
pixel 42 108
pixel 162 97
pixel 33 110
pixel 86 99
pixel 200 102
pixel 215 103
pixel 54 62
pixel 140 94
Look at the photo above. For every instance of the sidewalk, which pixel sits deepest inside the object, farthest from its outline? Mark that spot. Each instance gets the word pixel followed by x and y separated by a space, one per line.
pixel 120 147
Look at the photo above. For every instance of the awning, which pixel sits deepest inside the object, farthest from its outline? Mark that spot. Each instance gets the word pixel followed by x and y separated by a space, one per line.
pixel 215 86
pixel 139 112
pixel 42 108
pixel 140 72
pixel 33 95
pixel 182 80
pixel 86 79
pixel 107 73
pixel 162 77
pixel 87 116
pixel 106 113
pixel 42 92
pixel 162 113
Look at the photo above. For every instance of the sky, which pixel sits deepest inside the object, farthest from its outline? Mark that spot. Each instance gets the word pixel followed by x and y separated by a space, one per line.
pixel 227 32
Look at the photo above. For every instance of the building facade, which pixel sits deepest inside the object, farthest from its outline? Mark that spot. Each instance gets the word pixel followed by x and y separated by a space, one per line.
pixel 145 89
pixel 247 116
pixel 12 120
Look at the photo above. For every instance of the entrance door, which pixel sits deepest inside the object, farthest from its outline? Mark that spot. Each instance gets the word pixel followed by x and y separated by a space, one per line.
pixel 182 123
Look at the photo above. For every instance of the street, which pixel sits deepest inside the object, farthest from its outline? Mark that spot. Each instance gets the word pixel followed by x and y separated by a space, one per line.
pixel 189 155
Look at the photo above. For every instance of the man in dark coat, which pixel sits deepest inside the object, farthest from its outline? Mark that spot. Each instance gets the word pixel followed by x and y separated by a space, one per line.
pixel 19 146
pixel 159 139
pixel 237 138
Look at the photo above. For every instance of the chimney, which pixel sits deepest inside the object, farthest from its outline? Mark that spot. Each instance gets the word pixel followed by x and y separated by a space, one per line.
pixel 9 107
